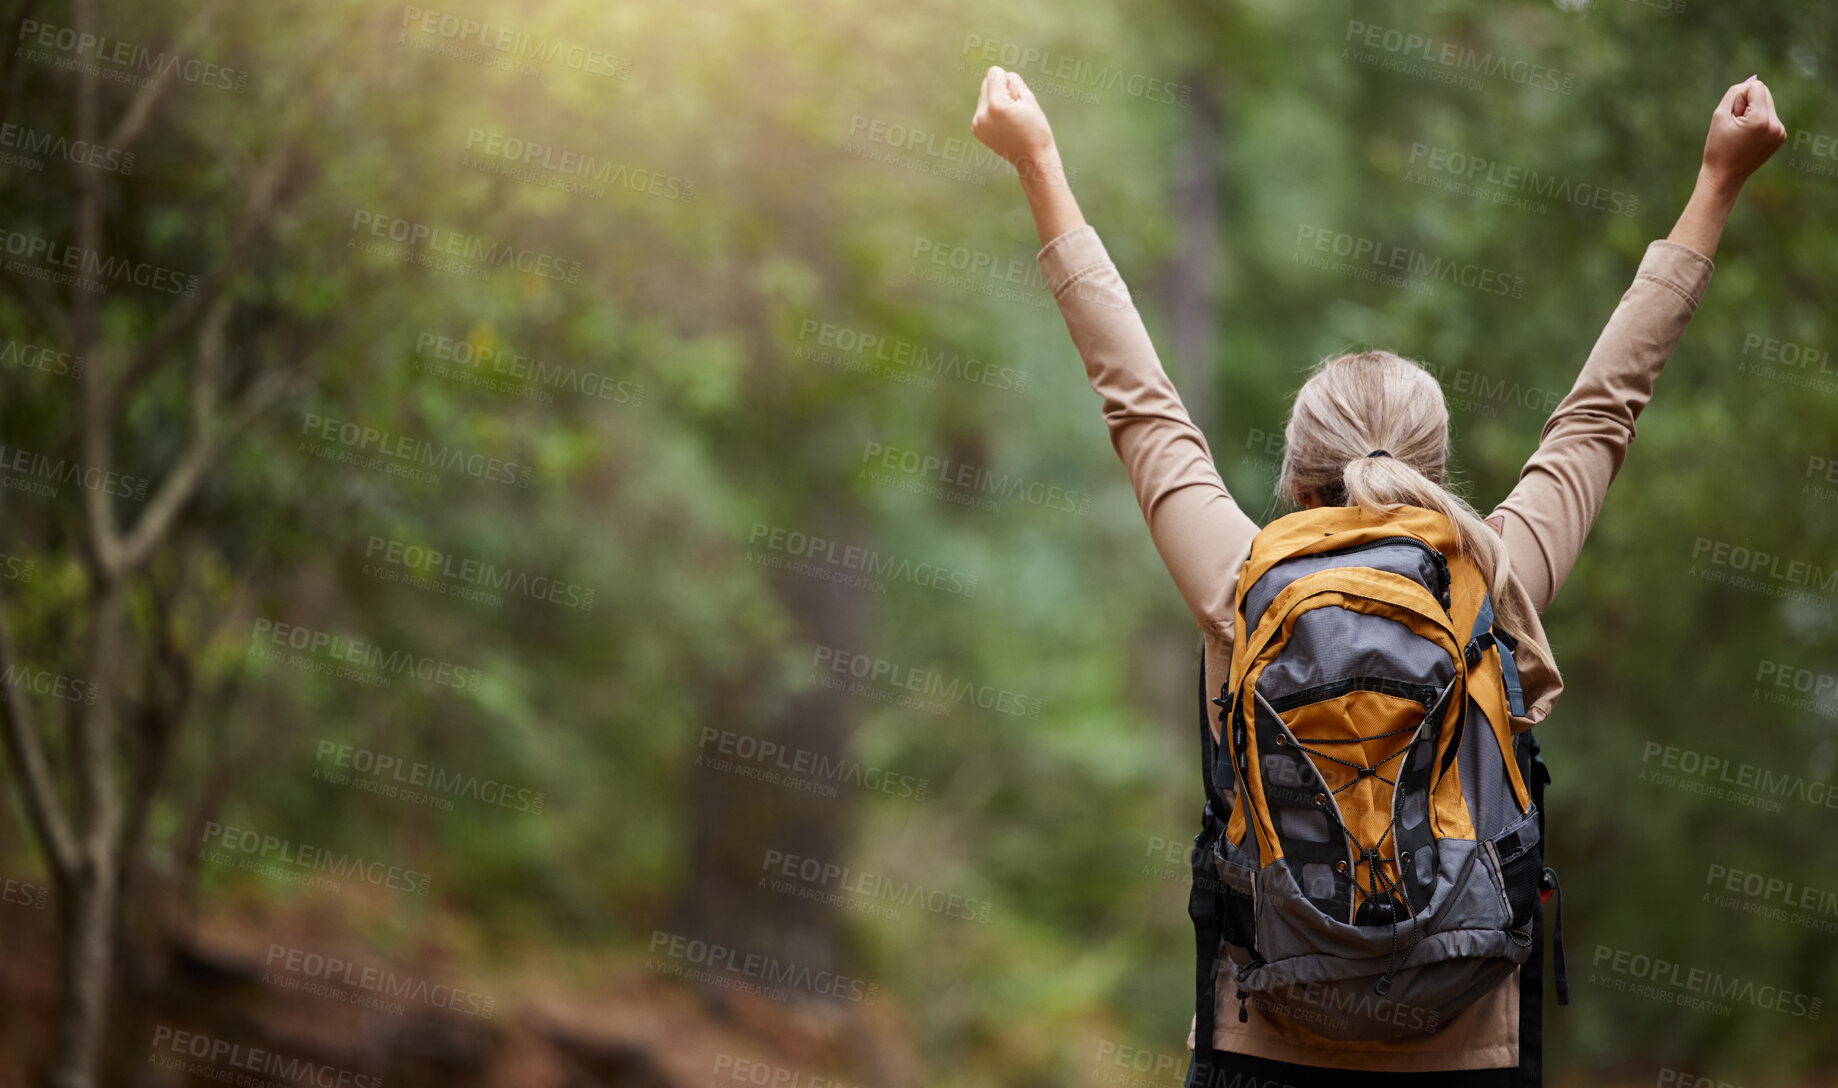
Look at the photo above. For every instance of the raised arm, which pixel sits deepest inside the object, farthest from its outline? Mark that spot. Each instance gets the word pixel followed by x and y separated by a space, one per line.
pixel 1549 513
pixel 1202 535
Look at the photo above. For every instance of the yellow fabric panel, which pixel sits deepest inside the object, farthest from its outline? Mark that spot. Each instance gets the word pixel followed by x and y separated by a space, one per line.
pixel 1376 592
pixel 1365 804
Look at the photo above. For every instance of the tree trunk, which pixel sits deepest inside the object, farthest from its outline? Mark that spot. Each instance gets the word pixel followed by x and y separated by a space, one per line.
pixel 94 890
pixel 89 952
pixel 1193 294
pixel 737 820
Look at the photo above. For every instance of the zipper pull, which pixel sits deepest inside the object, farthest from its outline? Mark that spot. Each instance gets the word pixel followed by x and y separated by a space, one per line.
pixel 1243 1017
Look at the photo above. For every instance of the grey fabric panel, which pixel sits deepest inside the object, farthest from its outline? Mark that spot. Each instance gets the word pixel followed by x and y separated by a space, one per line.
pixel 1406 559
pixel 1469 894
pixel 1484 782
pixel 1331 643
pixel 1457 968
pixel 1308 824
pixel 1237 865
pixel 1322 973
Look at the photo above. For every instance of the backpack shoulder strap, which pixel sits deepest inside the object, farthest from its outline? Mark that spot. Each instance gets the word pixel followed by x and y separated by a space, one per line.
pixel 1204 902
pixel 1485 634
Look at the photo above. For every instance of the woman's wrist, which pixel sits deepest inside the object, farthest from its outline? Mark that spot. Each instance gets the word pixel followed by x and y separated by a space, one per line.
pixel 1700 225
pixel 1717 189
pixel 1041 170
pixel 1043 179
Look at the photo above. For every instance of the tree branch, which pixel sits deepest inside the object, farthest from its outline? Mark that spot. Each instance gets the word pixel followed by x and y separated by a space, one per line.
pixel 42 802
pixel 94 439
pixel 139 111
pixel 263 193
pixel 208 434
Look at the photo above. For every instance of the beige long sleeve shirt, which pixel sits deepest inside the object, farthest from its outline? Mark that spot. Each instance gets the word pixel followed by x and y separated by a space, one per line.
pixel 1203 538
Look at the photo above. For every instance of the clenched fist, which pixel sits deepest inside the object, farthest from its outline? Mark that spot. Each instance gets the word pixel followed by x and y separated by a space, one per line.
pixel 1010 122
pixel 1744 132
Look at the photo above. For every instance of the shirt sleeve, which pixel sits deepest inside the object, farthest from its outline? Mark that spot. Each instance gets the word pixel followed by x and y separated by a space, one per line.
pixel 1582 446
pixel 1201 534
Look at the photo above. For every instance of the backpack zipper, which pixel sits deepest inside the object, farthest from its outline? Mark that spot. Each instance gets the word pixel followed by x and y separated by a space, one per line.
pixel 1442 561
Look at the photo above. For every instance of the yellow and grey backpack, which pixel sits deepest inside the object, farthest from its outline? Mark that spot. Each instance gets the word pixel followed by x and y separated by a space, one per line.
pixel 1380 864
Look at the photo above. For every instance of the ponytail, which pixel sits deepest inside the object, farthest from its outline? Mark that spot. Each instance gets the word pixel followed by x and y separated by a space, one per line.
pixel 1370 402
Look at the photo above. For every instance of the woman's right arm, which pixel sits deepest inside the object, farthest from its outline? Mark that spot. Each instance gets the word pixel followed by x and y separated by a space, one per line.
pixel 1201 534
pixel 1549 513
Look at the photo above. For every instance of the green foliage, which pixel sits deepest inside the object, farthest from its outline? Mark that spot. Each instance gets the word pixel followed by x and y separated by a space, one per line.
pixel 1058 822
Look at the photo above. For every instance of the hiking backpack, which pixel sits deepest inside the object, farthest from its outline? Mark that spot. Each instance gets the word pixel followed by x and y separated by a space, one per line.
pixel 1381 865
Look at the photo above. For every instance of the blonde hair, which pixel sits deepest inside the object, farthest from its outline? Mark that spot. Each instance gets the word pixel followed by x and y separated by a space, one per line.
pixel 1356 403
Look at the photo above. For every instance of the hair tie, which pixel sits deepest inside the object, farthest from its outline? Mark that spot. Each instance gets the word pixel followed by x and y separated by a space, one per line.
pixel 1379 453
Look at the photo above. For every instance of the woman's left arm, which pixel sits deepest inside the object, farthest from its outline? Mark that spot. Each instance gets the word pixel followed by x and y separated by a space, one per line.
pixel 1584 443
